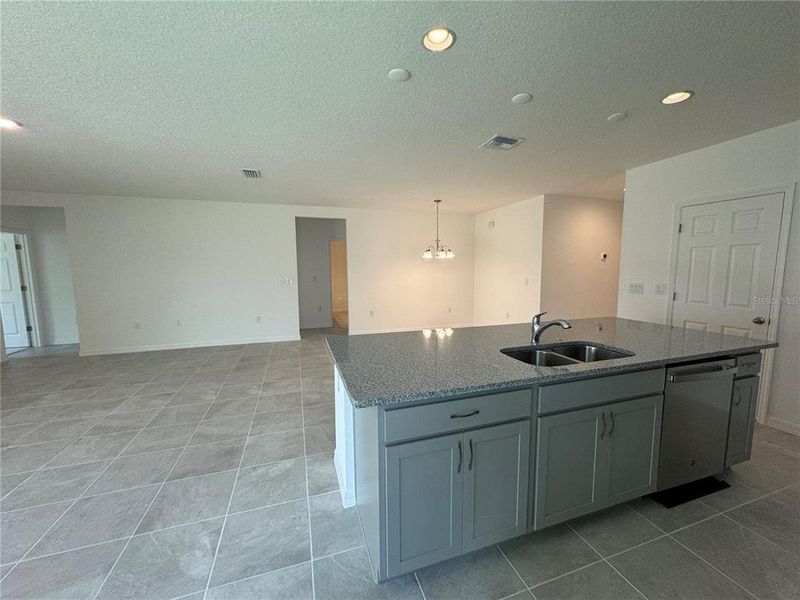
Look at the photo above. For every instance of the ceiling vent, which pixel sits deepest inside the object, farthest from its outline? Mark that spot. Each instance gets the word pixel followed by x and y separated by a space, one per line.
pixel 252 173
pixel 501 142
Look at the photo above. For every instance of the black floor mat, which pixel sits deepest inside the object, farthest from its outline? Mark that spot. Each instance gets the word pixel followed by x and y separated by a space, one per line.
pixel 689 491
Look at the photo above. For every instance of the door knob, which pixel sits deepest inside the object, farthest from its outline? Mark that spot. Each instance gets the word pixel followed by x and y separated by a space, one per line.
pixel 759 320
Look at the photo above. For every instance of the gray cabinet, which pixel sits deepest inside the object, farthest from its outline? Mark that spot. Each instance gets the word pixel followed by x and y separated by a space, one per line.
pixel 495 484
pixel 455 493
pixel 566 461
pixel 631 449
pixel 424 491
pixel 740 427
pixel 596 457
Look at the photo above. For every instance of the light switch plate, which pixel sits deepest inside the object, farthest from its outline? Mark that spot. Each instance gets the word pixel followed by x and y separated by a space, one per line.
pixel 636 287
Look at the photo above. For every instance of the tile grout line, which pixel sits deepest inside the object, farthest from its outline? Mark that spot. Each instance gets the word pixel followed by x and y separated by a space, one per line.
pixel 606 561
pixel 571 572
pixel 513 568
pixel 757 534
pixel 144 514
pixel 75 501
pixel 745 590
pixel 235 481
pixel 416 578
pixel 305 466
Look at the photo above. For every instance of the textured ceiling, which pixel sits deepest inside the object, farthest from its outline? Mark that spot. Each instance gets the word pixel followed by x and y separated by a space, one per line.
pixel 171 99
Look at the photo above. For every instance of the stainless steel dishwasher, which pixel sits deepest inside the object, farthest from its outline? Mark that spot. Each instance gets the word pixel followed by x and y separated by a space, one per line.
pixel 694 431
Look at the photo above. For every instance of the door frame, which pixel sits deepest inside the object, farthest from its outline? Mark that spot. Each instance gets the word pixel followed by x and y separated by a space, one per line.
pixel 788 192
pixel 26 272
pixel 330 264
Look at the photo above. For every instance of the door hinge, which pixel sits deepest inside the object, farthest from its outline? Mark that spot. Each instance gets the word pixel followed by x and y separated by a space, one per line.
pixel 18 246
pixel 24 288
pixel 680 227
pixel 28 328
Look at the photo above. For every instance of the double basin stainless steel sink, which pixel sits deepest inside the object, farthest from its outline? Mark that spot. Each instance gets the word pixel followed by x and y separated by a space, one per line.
pixel 564 354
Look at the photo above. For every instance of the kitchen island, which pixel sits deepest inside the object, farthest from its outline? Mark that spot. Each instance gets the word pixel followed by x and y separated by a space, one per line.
pixel 446 444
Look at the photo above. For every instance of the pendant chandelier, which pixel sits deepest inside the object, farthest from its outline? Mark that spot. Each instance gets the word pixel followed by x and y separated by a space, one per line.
pixel 437 250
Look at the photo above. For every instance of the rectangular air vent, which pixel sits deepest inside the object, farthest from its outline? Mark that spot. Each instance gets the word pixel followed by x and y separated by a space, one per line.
pixel 252 173
pixel 501 142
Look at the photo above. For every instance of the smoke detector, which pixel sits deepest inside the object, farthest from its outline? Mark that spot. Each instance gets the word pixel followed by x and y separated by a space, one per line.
pixel 501 142
pixel 252 173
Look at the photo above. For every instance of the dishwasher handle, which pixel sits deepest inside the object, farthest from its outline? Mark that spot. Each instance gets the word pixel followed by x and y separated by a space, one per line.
pixel 721 371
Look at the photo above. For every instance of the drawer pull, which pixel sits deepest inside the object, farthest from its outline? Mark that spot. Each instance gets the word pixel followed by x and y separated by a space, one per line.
pixel 472 414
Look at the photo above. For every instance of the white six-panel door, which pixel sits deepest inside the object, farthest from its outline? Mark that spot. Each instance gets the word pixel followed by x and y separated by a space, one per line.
pixel 12 302
pixel 727 256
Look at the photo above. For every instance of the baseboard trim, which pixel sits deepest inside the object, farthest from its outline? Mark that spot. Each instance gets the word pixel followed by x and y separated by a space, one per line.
pixel 783 425
pixel 61 342
pixel 186 345
pixel 348 496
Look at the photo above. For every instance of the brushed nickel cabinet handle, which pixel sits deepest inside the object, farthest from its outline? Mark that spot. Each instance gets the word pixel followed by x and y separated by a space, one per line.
pixel 471 456
pixel 603 432
pixel 610 431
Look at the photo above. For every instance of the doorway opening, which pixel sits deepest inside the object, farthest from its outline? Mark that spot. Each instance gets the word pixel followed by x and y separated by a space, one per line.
pixel 16 303
pixel 322 286
pixel 37 300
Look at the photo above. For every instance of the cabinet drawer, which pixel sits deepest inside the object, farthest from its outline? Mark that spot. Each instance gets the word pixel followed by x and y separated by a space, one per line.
pixel 590 392
pixel 444 417
pixel 747 365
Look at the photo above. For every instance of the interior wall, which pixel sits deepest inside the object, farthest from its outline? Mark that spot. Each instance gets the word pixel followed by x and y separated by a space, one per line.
pixel 757 162
pixel 576 283
pixel 508 262
pixel 48 248
pixel 314 269
pixel 194 273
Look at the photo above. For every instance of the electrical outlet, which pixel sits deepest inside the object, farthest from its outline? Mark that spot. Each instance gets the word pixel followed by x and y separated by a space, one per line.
pixel 372 313
pixel 490 224
pixel 178 323
pixel 137 325
pixel 661 289
pixel 636 287
pixel 258 318
pixel 449 309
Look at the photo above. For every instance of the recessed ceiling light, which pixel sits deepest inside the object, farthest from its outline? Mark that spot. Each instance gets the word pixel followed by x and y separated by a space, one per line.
pixel 438 39
pixel 9 123
pixel 399 75
pixel 616 116
pixel 677 97
pixel 521 98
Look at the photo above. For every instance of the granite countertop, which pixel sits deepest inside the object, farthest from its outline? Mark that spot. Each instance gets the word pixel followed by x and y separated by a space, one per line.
pixel 406 367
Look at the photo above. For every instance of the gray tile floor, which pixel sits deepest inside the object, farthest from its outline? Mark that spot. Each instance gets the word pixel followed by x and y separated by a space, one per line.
pixel 208 473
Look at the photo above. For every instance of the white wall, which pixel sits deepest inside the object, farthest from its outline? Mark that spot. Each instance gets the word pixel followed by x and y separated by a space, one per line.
pixel 575 282
pixel 508 262
pixel 216 266
pixel 314 269
pixel 764 160
pixel 49 254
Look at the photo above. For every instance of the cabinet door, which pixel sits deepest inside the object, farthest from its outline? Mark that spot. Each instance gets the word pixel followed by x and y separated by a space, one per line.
pixel 495 483
pixel 424 486
pixel 567 456
pixel 740 428
pixel 629 463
